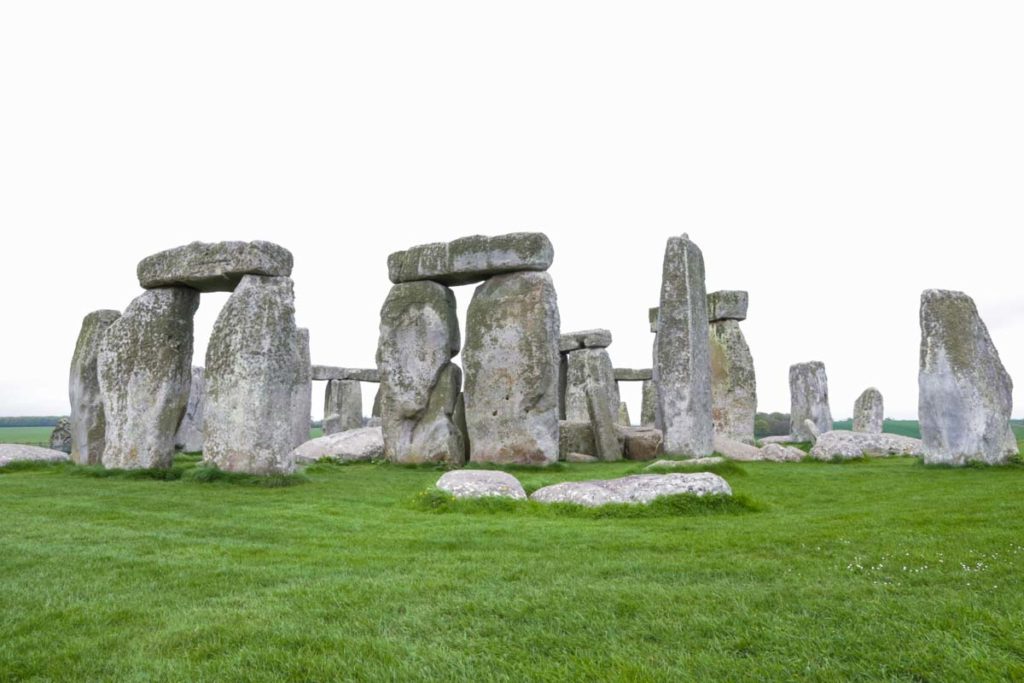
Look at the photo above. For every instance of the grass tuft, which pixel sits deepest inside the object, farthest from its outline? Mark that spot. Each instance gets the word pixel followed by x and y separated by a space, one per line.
pixel 31 466
pixel 728 467
pixel 208 474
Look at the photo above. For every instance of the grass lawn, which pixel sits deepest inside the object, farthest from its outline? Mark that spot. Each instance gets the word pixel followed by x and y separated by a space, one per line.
pixel 32 435
pixel 881 570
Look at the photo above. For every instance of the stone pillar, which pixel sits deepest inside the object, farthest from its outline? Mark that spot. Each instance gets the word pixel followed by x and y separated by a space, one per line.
pixel 591 395
pixel 302 401
pixel 343 406
pixel 648 399
pixel 733 383
pixel 808 392
pixel 868 412
pixel 682 365
pixel 253 376
pixel 189 437
pixel 145 369
pixel 88 423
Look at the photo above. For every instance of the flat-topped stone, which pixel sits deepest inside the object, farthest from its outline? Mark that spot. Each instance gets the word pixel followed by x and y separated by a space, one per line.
pixel 325 373
pixel 481 484
pixel 841 444
pixel 728 304
pixel 355 445
pixel 584 339
pixel 16 452
pixel 472 259
pixel 638 488
pixel 213 267
pixel 633 374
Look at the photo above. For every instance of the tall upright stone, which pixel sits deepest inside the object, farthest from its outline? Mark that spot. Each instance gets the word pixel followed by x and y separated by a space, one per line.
pixel 808 393
pixel 189 437
pixel 592 395
pixel 145 370
pixel 88 423
pixel 682 363
pixel 253 375
pixel 343 406
pixel 420 386
pixel 869 412
pixel 302 401
pixel 648 398
pixel 733 382
pixel 511 359
pixel 965 393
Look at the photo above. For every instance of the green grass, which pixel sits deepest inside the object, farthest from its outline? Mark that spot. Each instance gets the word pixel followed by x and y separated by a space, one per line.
pixel 881 570
pixel 909 428
pixel 31 435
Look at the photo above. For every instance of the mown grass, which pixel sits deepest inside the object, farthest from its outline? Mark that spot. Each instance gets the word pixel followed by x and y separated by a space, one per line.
pixel 884 570
pixel 29 435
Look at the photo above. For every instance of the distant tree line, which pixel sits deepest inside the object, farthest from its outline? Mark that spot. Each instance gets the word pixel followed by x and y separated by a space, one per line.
pixel 37 421
pixel 771 424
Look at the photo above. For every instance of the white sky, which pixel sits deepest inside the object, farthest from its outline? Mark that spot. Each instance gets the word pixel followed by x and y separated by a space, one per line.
pixel 834 159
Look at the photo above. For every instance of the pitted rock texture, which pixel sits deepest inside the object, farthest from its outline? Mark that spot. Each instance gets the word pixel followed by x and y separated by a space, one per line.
pixel 216 267
pixel 638 488
pixel 965 394
pixel 652 317
pixel 584 339
pixel 808 391
pixel 481 484
pixel 253 375
pixel 575 437
pixel 343 406
pixel 511 360
pixel 774 452
pixel 869 412
pixel 682 363
pixel 329 372
pixel 355 445
pixel 16 452
pixel 733 383
pixel 145 369
pixel 60 437
pixel 727 305
pixel 735 449
pixel 641 443
pixel 840 444
pixel 472 259
pixel 591 394
pixel 624 420
pixel 189 437
pixel 88 422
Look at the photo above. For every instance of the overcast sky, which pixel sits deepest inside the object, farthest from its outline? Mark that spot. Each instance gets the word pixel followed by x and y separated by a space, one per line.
pixel 834 159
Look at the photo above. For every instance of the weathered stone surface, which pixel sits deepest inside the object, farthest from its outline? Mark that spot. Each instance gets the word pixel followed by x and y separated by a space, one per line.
pixel 811 431
pixel 733 383
pixel 189 437
pixel 652 317
pixel 869 412
pixel 633 374
pixel 591 394
pixel 355 445
pixel 481 484
pixel 581 458
pixel 472 259
pixel 641 443
pixel 145 368
pixel 511 359
pixel 343 406
pixel 302 398
pixel 691 464
pixel 253 374
pixel 965 393
pixel 575 437
pixel 682 364
pixel 840 444
pixel 216 267
pixel 60 437
pixel 637 488
pixel 419 334
pixel 783 439
pixel 808 391
pixel 607 439
pixel 735 449
pixel 584 339
pixel 727 305
pixel 623 419
pixel 375 411
pixel 648 398
pixel 328 372
pixel 774 452
pixel 88 422
pixel 16 452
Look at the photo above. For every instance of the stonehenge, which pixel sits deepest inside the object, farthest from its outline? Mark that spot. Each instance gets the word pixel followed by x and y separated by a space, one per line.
pixel 472 259
pixel 733 382
pixel 808 391
pixel 60 437
pixel 869 412
pixel 343 406
pixel 590 392
pixel 217 267
pixel 88 422
pixel 189 437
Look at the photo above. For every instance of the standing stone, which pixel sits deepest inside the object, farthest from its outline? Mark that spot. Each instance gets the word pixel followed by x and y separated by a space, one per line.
pixel 733 383
pixel 375 411
pixel 511 360
pixel 727 305
pixel 868 412
pixel 60 437
pixel 965 394
pixel 624 420
pixel 88 424
pixel 808 392
pixel 419 335
pixel 302 401
pixel 343 406
pixel 252 377
pixel 648 398
pixel 590 370
pixel 189 437
pixel 145 369
pixel 682 364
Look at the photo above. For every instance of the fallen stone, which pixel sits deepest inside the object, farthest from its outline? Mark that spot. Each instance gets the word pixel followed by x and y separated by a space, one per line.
pixel 584 339
pixel 145 369
pixel 784 438
pixel 324 373
pixel 189 437
pixel 632 374
pixel 481 484
pixel 843 444
pixel 727 305
pixel 355 445
pixel 60 437
pixel 16 452
pixel 88 421
pixel 575 437
pixel 637 488
pixel 472 259
pixel 735 449
pixel 868 412
pixel 774 452
pixel 641 443
pixel 581 458
pixel 690 464
pixel 808 391
pixel 216 267
pixel 343 406
pixel 733 382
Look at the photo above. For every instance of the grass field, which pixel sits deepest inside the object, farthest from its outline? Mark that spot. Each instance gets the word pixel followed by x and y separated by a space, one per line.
pixel 880 570
pixel 33 435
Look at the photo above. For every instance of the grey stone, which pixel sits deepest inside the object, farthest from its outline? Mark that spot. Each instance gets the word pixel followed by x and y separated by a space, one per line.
pixel 419 334
pixel 328 372
pixel 682 364
pixel 633 374
pixel 373 422
pixel 302 399
pixel 735 449
pixel 145 368
pixel 216 267
pixel 60 437
pixel 472 259
pixel 607 438
pixel 591 394
pixel 649 396
pixel 253 375
pixel 733 382
pixel 88 422
pixel 16 452
pixel 343 406
pixel 869 412
pixel 623 419
pixel 811 431
pixel 727 305
pixel 481 484
pixel 355 445
pixel 637 488
pixel 375 411
pixel 511 360
pixel 808 391
pixel 641 443
pixel 781 438
pixel 965 393
pixel 775 452
pixel 840 444
pixel 581 458
pixel 575 437
pixel 690 464
pixel 584 339
pixel 189 437
pixel 652 317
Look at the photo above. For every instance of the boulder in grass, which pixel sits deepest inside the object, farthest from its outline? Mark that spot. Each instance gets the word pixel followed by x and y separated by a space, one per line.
pixel 841 444
pixel 481 484
pixel 641 443
pixel 775 452
pixel 637 488
pixel 16 452
pixel 355 445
